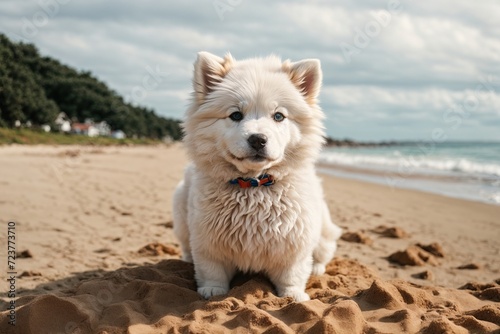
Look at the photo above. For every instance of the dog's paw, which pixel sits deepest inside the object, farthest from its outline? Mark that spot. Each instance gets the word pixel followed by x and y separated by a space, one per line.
pixel 318 269
pixel 296 293
pixel 209 291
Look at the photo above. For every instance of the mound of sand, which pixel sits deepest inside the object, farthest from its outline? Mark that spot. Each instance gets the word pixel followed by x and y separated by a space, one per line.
pixel 349 298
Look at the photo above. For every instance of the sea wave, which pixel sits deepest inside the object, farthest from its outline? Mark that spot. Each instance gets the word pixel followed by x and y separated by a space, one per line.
pixel 415 164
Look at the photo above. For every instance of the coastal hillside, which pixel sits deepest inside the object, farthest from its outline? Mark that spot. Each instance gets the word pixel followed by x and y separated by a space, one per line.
pixel 35 89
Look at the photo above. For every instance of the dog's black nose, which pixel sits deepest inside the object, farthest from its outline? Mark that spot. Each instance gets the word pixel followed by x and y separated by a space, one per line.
pixel 257 141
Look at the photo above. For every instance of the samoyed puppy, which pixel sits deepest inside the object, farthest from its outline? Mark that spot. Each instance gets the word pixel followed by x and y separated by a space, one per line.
pixel 251 200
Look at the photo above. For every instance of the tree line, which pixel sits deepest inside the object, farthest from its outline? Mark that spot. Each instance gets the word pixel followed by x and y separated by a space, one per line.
pixel 36 89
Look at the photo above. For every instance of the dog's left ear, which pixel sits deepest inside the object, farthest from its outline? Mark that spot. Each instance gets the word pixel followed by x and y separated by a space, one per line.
pixel 306 75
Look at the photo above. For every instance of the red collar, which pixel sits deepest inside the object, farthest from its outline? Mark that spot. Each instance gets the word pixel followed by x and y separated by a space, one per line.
pixel 265 180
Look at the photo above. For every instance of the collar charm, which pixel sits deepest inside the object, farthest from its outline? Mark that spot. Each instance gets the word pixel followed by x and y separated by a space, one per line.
pixel 263 180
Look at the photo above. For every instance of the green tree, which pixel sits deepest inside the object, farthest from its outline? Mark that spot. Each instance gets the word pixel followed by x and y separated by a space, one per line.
pixel 37 88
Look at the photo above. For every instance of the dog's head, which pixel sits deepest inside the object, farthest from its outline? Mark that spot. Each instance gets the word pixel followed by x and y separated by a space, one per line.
pixel 252 116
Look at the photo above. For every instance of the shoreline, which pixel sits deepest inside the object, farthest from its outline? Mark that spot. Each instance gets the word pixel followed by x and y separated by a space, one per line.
pixel 452 186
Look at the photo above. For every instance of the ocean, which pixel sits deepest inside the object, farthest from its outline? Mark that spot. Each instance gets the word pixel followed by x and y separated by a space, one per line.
pixel 468 170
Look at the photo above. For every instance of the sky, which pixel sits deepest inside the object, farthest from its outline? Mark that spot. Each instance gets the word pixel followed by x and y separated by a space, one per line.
pixel 392 70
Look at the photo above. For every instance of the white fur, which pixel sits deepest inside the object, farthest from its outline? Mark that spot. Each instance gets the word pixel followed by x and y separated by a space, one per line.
pixel 283 230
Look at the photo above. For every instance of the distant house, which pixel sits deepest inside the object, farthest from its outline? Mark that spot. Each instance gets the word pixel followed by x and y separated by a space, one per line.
pixel 84 129
pixel 91 129
pixel 63 123
pixel 118 134
pixel 103 128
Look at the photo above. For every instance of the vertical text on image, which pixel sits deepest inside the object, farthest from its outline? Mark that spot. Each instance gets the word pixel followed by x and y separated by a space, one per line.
pixel 11 272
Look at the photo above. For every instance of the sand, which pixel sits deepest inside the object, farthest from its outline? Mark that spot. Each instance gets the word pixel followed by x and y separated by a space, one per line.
pixel 96 254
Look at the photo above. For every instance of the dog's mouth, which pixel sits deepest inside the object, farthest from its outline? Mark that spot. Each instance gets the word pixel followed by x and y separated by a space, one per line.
pixel 254 158
pixel 258 158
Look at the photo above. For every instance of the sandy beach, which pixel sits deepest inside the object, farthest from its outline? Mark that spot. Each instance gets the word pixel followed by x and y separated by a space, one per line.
pixel 96 254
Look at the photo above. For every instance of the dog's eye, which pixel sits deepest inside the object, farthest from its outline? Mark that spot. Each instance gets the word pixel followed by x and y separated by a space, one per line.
pixel 236 116
pixel 278 117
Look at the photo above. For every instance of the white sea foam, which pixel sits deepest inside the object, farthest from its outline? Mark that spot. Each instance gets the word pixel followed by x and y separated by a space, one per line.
pixel 495 197
pixel 413 164
pixel 468 170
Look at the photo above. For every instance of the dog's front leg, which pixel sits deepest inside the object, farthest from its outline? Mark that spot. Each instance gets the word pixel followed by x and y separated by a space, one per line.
pixel 291 281
pixel 212 276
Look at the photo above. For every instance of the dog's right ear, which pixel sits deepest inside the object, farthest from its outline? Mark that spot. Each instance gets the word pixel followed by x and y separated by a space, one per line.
pixel 209 70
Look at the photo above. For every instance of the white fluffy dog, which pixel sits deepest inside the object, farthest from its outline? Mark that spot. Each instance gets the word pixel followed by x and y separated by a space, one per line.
pixel 251 200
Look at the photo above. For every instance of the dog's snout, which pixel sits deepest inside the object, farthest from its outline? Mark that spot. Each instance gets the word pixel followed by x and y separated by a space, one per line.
pixel 257 141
